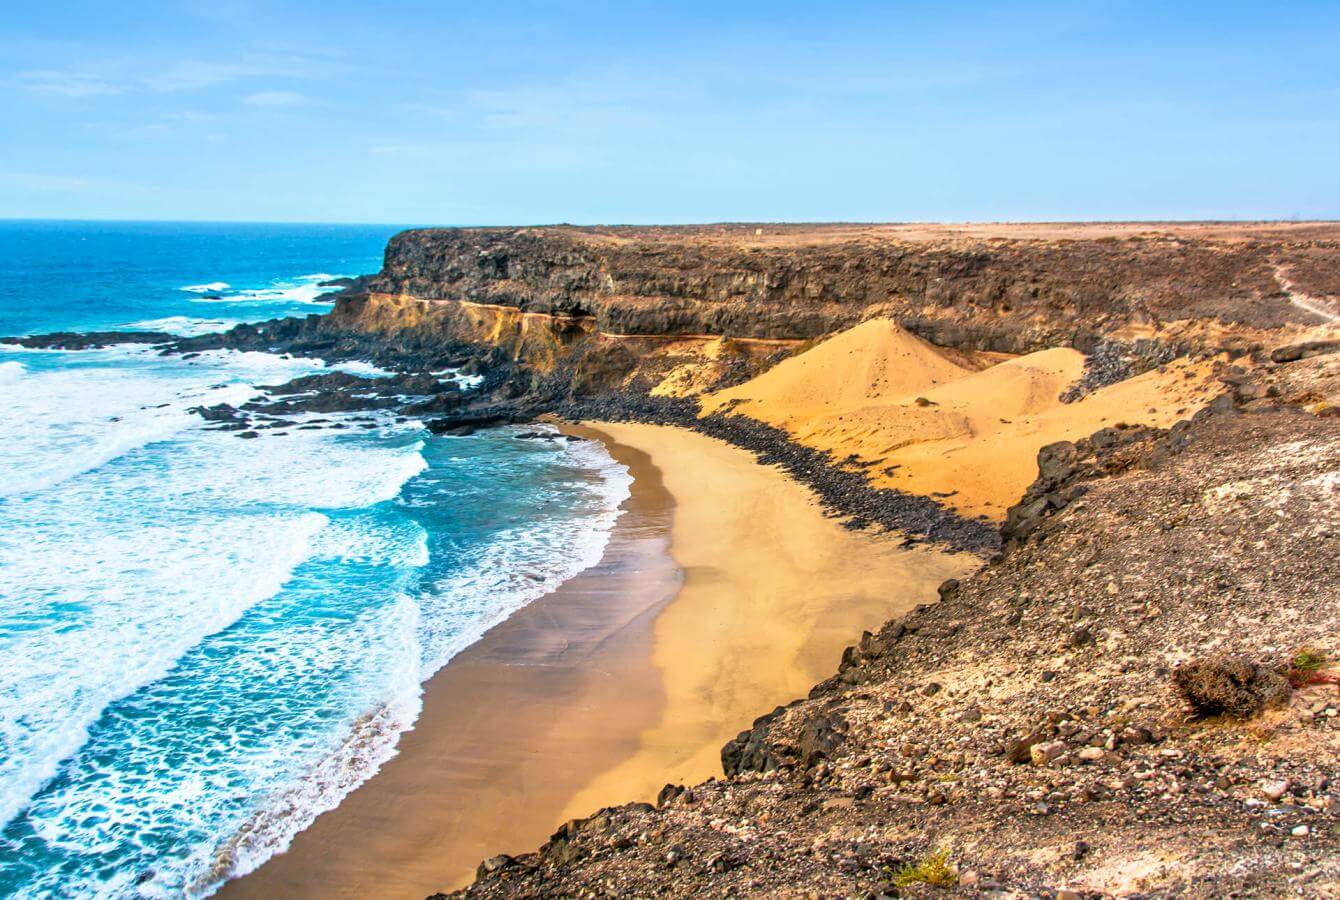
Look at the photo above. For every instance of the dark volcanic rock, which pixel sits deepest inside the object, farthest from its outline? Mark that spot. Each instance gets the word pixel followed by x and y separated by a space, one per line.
pixel 88 340
pixel 1220 533
pixel 1005 293
pixel 343 287
pixel 1064 467
pixel 220 412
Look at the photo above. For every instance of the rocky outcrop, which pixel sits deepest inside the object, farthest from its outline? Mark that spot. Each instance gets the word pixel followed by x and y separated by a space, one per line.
pixel 1065 468
pixel 584 311
pixel 87 340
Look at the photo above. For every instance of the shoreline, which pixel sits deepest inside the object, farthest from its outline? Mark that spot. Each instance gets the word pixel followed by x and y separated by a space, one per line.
pixel 774 590
pixel 627 677
pixel 510 727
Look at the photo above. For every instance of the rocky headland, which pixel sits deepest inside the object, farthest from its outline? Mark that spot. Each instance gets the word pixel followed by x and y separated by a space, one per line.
pixel 642 323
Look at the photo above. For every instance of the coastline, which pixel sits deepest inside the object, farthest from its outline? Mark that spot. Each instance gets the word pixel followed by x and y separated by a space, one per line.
pixel 621 680
pixel 510 727
pixel 774 589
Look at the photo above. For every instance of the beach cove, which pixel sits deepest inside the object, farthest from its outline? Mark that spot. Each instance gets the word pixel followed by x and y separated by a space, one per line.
pixel 627 677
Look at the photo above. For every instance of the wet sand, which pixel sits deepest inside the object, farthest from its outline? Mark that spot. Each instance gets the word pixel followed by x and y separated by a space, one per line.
pixel 620 681
pixel 511 728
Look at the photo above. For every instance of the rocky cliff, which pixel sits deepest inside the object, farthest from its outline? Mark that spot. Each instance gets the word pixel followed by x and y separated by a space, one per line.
pixel 1003 288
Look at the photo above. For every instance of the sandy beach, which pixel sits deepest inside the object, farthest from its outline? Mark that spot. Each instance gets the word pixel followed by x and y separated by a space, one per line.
pixel 627 677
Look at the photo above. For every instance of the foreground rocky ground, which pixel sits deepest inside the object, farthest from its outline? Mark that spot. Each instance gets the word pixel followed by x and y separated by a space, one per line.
pixel 1136 697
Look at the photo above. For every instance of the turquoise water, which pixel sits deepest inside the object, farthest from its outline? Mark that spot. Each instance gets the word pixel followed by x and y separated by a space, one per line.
pixel 204 641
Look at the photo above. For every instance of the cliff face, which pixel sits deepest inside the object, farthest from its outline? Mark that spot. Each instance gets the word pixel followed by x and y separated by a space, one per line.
pixel 1003 288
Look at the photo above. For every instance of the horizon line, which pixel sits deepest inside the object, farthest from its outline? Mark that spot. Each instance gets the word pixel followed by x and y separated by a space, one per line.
pixel 1291 220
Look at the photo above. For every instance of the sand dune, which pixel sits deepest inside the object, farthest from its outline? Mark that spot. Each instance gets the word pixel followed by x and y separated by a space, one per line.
pixel 874 362
pixel 919 422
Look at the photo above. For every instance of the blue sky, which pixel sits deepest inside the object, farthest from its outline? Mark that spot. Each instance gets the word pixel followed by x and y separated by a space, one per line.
pixel 443 112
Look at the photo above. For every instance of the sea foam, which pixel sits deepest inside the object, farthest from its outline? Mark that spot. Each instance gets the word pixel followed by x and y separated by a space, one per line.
pixel 184 326
pixel 129 533
pixel 301 289
pixel 207 642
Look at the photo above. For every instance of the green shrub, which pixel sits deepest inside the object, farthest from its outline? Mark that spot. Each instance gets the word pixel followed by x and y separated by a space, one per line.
pixel 934 868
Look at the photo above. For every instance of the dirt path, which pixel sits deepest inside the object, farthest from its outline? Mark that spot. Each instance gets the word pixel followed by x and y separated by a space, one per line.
pixel 1305 302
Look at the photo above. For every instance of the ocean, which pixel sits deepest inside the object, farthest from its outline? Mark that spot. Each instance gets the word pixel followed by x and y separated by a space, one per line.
pixel 205 642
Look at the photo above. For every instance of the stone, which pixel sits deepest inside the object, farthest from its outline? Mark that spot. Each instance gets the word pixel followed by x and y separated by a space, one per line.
pixel 1294 352
pixel 494 864
pixel 1043 754
pixel 669 793
pixel 1018 750
pixel 819 737
pixel 1136 736
pixel 1274 790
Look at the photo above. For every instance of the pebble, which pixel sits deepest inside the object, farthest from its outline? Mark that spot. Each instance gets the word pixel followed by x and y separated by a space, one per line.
pixel 1274 789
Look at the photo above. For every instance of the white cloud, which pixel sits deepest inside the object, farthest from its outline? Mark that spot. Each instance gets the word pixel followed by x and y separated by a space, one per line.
pixel 70 83
pixel 90 78
pixel 193 74
pixel 274 98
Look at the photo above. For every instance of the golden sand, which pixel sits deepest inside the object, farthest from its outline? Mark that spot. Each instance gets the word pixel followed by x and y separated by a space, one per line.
pixel 920 422
pixel 874 362
pixel 773 591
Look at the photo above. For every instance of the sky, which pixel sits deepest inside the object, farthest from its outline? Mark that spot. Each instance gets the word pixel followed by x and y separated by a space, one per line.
pixel 523 113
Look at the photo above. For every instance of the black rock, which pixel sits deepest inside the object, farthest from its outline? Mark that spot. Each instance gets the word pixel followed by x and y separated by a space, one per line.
pixel 89 340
